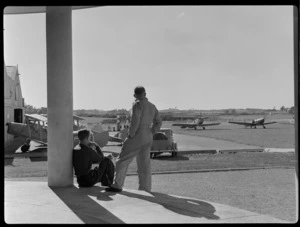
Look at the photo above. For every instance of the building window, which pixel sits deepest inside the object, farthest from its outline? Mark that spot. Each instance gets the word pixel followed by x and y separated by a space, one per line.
pixel 18 115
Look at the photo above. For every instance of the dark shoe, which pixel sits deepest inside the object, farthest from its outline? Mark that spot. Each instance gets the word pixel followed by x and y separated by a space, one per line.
pixel 111 189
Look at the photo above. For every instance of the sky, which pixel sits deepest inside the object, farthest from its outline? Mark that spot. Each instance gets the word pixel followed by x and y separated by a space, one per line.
pixel 186 57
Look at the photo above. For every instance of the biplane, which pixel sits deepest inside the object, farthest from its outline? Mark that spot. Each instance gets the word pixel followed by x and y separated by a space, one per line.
pixel 35 128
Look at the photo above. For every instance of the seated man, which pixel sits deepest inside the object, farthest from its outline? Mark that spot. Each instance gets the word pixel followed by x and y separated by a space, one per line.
pixel 84 155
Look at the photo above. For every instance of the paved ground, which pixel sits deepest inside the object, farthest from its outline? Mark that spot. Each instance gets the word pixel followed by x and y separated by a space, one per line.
pixel 187 142
pixel 35 202
pixel 269 192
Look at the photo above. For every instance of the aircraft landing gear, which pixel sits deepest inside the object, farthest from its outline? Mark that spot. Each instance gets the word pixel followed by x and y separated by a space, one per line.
pixel 25 148
pixel 264 126
pixel 195 128
pixel 203 128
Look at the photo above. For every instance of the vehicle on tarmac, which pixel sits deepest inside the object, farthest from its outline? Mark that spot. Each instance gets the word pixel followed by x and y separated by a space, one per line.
pixel 163 142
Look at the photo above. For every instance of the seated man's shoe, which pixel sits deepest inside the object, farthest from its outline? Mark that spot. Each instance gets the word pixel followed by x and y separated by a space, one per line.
pixel 112 189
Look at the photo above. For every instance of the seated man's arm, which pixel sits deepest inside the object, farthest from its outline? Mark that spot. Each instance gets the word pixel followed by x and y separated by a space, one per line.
pixel 99 151
pixel 97 155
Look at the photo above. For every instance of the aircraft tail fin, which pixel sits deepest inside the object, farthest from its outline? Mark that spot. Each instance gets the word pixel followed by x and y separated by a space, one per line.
pixel 98 128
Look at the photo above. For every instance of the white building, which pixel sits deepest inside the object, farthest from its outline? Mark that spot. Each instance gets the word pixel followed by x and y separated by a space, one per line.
pixel 13 100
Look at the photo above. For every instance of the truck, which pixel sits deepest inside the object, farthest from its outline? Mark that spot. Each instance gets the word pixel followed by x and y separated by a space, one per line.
pixel 163 142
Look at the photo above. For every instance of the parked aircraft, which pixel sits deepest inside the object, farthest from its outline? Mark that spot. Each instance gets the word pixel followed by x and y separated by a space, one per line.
pixel 35 128
pixel 197 123
pixel 254 123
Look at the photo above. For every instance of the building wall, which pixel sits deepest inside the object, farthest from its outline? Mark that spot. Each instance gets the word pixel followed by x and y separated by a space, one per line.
pixel 13 99
pixel 9 117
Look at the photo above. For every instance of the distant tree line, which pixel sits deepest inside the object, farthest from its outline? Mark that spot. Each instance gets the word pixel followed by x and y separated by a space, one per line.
pixel 169 116
pixel 166 116
pixel 29 109
pixel 291 110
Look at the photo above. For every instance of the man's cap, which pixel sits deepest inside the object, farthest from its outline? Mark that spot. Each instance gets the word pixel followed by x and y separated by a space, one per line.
pixel 139 90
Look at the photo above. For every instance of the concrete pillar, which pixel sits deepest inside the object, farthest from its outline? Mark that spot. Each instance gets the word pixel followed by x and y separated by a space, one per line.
pixel 296 93
pixel 59 95
pixel 296 81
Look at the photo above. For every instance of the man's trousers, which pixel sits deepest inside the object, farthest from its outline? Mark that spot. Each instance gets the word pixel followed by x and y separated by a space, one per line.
pixel 102 173
pixel 133 147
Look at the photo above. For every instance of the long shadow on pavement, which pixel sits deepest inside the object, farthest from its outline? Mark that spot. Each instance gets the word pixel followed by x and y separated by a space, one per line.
pixel 89 211
pixel 182 206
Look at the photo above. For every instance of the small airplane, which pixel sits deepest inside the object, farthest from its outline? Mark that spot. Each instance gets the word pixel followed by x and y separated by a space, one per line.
pixel 254 123
pixel 35 128
pixel 197 123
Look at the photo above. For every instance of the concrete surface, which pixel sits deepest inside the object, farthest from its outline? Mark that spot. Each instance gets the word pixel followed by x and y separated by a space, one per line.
pixel 268 149
pixel 35 202
pixel 195 144
pixel 187 142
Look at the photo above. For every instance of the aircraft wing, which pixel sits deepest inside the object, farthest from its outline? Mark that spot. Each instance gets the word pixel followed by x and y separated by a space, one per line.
pixel 101 138
pixel 75 117
pixel 115 139
pixel 120 136
pixel 184 124
pixel 210 124
pixel 241 123
pixel 271 122
pixel 37 117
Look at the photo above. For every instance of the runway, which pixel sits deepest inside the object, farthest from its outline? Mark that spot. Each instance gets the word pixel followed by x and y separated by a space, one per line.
pixel 196 143
pixel 186 142
pixel 202 144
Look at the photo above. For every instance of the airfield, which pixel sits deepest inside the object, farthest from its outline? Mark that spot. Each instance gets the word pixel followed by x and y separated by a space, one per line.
pixel 277 137
pixel 254 183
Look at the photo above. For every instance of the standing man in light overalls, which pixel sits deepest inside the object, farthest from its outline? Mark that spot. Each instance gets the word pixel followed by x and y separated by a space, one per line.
pixel 145 122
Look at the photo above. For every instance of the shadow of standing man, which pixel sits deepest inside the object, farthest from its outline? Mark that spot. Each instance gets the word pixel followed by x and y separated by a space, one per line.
pixel 182 206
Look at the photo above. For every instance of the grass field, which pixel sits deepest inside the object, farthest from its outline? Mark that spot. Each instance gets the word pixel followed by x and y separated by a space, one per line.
pixel 21 167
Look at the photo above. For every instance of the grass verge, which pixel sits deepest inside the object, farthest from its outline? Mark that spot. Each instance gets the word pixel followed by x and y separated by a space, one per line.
pixel 23 167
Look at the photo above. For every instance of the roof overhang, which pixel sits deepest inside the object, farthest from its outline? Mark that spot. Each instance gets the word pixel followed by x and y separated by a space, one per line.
pixel 33 9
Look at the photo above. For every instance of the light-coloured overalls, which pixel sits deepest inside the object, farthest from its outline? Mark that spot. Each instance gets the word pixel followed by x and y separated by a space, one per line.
pixel 145 122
